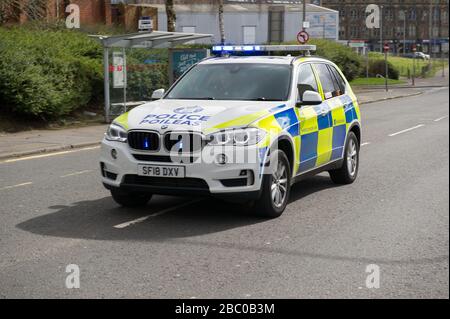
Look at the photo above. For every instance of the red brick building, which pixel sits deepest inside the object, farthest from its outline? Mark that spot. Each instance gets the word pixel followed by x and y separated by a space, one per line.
pixel 92 12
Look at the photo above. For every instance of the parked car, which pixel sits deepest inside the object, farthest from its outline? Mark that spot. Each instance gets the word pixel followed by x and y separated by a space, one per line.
pixel 417 55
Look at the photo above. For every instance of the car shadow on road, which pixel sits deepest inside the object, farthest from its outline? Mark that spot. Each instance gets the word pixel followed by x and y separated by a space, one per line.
pixel 96 219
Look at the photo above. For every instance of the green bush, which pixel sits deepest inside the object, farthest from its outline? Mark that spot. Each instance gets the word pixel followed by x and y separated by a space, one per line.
pixel 378 67
pixel 48 73
pixel 345 58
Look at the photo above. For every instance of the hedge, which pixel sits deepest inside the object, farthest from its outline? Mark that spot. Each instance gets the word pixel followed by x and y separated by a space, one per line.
pixel 378 67
pixel 344 57
pixel 48 73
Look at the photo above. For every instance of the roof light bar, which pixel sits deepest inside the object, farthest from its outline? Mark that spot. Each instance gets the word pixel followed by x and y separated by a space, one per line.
pixel 263 48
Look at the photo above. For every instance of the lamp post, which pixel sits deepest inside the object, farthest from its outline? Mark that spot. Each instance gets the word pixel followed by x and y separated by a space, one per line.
pixel 304 15
pixel 381 29
pixel 403 14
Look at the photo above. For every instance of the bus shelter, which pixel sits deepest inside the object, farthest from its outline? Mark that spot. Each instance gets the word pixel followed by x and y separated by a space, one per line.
pixel 115 50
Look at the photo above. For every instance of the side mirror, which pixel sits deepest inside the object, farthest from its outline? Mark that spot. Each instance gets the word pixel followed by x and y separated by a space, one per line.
pixel 158 94
pixel 310 98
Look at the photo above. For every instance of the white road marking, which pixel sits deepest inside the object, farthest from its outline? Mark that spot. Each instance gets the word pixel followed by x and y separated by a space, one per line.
pixel 49 154
pixel 441 118
pixel 366 143
pixel 407 130
pixel 15 186
pixel 140 220
pixel 76 173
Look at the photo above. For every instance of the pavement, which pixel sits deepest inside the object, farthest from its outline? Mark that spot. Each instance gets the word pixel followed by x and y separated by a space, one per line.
pixel 55 212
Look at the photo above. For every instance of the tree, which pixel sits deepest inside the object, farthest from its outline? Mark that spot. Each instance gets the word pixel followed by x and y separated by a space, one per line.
pixel 171 16
pixel 33 9
pixel 221 23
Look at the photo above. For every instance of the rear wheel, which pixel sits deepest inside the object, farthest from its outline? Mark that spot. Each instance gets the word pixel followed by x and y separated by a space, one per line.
pixel 130 199
pixel 349 171
pixel 275 187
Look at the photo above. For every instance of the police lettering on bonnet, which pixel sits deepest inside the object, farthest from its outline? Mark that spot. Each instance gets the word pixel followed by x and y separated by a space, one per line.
pixel 237 127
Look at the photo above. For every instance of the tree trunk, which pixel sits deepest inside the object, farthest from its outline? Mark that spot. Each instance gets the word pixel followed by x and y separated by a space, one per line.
pixel 171 16
pixel 221 23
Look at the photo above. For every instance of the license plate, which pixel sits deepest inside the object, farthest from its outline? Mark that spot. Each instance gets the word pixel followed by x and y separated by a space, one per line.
pixel 161 171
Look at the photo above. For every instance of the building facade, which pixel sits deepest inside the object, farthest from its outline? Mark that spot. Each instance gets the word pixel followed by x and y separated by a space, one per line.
pixel 423 23
pixel 246 21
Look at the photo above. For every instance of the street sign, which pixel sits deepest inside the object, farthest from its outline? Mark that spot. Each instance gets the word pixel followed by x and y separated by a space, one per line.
pixel 145 24
pixel 119 70
pixel 414 48
pixel 306 25
pixel 302 37
pixel 386 47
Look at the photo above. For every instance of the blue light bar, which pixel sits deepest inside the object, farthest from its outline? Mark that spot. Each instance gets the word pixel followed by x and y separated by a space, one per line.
pixel 236 48
pixel 306 48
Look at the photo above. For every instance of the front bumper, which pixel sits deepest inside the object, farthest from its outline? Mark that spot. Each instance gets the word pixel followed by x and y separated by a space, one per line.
pixel 203 177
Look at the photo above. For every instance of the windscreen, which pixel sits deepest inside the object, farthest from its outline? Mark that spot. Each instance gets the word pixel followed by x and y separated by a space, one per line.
pixel 234 81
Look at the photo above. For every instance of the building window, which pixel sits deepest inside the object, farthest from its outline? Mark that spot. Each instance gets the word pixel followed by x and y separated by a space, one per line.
pixel 436 13
pixel 341 32
pixel 388 14
pixel 435 32
pixel 353 14
pixel 249 34
pixel 354 32
pixel 412 14
pixel 412 30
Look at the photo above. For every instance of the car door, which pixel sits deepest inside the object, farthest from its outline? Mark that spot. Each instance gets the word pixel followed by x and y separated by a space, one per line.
pixel 324 114
pixel 342 113
pixel 306 142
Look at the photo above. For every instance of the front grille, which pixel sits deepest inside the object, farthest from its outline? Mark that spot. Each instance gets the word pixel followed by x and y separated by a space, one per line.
pixel 174 183
pixel 186 142
pixel 165 159
pixel 146 141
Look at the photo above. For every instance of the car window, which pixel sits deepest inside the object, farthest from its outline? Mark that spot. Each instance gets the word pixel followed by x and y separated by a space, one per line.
pixel 306 80
pixel 326 79
pixel 338 81
pixel 235 81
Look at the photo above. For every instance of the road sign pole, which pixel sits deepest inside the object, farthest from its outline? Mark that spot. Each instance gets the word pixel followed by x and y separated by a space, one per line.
pixel 386 72
pixel 304 15
pixel 414 49
pixel 106 82
pixel 381 29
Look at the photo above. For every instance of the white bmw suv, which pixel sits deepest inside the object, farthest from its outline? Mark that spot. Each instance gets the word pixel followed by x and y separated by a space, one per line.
pixel 241 128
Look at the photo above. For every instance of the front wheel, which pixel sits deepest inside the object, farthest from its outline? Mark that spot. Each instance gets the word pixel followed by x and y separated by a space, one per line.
pixel 130 199
pixel 276 185
pixel 349 171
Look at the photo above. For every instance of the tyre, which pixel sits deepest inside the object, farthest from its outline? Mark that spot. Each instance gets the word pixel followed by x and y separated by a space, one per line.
pixel 275 187
pixel 349 171
pixel 130 199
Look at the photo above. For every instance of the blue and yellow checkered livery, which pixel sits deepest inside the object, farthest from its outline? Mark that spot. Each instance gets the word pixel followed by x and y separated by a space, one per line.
pixel 318 132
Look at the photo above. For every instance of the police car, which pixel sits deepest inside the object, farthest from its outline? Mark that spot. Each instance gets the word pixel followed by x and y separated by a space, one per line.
pixel 243 128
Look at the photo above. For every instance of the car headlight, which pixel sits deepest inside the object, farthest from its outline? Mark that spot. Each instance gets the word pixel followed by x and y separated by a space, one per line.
pixel 116 133
pixel 237 137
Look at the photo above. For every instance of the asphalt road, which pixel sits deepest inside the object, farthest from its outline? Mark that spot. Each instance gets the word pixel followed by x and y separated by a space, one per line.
pixel 55 212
